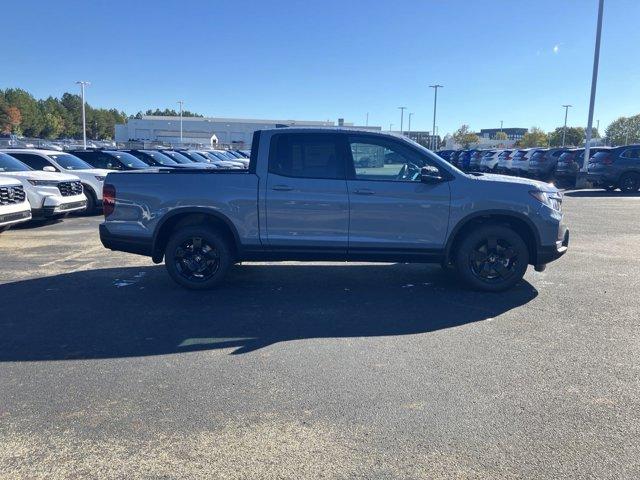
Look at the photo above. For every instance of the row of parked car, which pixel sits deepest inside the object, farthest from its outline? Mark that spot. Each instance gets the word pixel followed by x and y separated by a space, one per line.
pixel 608 167
pixel 36 183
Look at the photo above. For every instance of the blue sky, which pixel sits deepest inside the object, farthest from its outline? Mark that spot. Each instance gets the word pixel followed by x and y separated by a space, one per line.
pixel 511 60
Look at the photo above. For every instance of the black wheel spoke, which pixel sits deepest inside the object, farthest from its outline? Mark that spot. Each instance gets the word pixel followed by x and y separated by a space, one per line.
pixel 478 256
pixel 503 271
pixel 492 243
pixel 509 253
pixel 197 242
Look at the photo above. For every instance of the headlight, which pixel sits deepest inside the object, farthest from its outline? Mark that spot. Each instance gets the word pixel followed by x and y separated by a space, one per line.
pixel 100 179
pixel 44 183
pixel 551 200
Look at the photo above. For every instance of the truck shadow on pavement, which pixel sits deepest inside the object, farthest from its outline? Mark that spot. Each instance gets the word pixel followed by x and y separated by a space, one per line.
pixel 138 311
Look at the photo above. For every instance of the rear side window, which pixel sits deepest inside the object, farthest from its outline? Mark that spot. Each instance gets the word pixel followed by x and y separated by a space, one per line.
pixel 307 155
pixel 633 153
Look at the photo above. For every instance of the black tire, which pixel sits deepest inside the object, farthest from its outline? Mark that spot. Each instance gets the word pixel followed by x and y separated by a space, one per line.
pixel 91 201
pixel 610 188
pixel 629 183
pixel 197 264
pixel 492 258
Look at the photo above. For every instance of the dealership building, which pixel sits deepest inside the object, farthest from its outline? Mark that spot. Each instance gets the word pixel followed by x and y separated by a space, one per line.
pixel 205 131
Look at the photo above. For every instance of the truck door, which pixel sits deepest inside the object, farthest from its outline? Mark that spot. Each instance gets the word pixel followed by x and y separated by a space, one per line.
pixel 390 208
pixel 307 204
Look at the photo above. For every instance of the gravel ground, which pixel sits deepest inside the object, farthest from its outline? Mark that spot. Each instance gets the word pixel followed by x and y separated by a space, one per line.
pixel 320 370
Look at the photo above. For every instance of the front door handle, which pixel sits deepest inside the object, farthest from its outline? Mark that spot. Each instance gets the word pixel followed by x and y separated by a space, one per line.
pixel 282 188
pixel 364 191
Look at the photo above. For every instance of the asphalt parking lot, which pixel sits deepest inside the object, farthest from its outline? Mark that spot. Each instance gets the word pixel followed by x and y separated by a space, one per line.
pixel 326 370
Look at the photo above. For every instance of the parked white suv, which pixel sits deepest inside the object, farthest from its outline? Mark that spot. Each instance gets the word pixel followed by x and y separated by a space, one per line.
pixel 51 160
pixel 14 207
pixel 49 193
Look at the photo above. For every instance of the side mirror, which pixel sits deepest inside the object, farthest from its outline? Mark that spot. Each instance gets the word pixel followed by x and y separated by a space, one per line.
pixel 430 174
pixel 49 168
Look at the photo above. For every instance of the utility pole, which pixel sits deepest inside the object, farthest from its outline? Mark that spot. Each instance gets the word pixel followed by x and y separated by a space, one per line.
pixel 435 104
pixel 409 132
pixel 594 81
pixel 500 126
pixel 564 130
pixel 402 109
pixel 181 103
pixel 367 123
pixel 390 126
pixel 83 84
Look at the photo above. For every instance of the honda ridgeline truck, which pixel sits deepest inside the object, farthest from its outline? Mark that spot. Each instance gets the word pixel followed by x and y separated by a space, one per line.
pixel 335 194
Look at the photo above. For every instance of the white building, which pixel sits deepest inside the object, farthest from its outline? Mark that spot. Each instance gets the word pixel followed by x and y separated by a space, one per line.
pixel 202 130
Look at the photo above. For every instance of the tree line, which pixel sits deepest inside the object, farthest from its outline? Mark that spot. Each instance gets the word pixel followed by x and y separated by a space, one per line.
pixel 622 131
pixel 22 114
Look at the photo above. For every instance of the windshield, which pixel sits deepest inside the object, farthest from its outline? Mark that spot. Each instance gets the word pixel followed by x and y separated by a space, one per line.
pixel 10 164
pixel 178 157
pixel 197 157
pixel 159 157
pixel 128 159
pixel 70 162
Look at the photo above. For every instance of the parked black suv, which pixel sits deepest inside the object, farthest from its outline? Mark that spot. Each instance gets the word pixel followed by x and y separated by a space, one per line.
pixel 110 159
pixel 570 163
pixel 617 168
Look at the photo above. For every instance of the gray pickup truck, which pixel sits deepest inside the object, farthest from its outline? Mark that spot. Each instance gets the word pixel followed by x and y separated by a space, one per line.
pixel 335 194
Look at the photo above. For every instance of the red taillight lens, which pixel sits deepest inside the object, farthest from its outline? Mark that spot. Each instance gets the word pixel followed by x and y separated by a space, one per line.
pixel 108 199
pixel 607 160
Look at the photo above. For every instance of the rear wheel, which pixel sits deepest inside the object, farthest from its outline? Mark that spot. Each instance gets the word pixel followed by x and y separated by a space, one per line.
pixel 492 258
pixel 629 182
pixel 197 257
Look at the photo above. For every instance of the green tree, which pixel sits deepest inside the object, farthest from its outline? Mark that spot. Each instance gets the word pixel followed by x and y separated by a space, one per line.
pixel 624 130
pixel 575 136
pixel 534 138
pixel 31 120
pixel 501 136
pixel 170 113
pixel 464 137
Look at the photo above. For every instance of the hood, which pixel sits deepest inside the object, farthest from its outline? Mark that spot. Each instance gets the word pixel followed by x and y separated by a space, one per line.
pixel 505 179
pixel 42 175
pixel 8 182
pixel 100 172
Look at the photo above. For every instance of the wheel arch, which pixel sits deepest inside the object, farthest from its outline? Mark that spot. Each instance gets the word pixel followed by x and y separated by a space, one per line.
pixel 520 223
pixel 181 217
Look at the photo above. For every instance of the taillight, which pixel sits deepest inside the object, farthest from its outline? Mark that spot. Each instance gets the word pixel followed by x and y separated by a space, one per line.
pixel 108 199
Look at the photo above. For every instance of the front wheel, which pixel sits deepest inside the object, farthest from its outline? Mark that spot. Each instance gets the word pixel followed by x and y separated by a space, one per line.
pixel 492 258
pixel 197 257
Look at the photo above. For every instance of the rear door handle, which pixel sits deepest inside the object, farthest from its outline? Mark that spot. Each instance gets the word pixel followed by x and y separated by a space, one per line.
pixel 282 188
pixel 364 191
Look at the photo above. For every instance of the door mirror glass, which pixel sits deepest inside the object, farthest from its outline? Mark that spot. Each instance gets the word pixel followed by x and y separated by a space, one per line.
pixel 48 168
pixel 430 174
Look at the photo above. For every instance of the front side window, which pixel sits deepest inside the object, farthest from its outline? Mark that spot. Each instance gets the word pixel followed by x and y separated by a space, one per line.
pixel 307 155
pixel 34 161
pixel 385 159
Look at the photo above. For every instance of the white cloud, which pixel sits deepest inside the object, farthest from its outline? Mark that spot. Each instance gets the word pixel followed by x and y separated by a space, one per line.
pixel 556 48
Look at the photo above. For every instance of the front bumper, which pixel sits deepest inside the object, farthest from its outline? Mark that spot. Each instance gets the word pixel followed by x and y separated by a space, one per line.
pixel 61 209
pixel 11 218
pixel 547 254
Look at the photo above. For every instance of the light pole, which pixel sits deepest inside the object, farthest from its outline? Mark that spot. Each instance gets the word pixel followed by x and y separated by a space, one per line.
pixel 402 109
pixel 390 126
pixel 83 84
pixel 500 126
pixel 435 104
pixel 564 130
pixel 409 132
pixel 181 103
pixel 367 123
